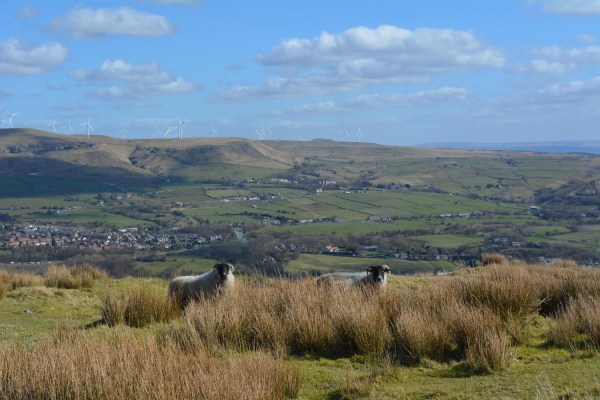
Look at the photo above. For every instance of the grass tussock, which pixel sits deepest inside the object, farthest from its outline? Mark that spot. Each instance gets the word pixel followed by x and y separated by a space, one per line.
pixel 138 307
pixel 3 290
pixel 126 367
pixel 82 277
pixel 25 279
pixel 493 258
pixel 578 325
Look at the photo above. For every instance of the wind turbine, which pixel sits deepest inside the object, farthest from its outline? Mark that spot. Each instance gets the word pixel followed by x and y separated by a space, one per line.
pixel 88 126
pixel 259 134
pixel 52 126
pixel 214 133
pixel 122 131
pixel 345 132
pixel 180 126
pixel 299 138
pixel 2 112
pixel 359 135
pixel 10 119
pixel 69 128
pixel 156 132
pixel 167 130
pixel 269 133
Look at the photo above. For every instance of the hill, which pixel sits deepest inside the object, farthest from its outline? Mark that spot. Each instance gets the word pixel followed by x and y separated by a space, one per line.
pixel 101 158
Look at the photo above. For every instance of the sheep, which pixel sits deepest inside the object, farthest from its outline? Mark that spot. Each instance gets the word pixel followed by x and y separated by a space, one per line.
pixel 375 277
pixel 187 288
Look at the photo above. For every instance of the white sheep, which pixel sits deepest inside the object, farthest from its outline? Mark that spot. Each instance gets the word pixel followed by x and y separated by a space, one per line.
pixel 188 288
pixel 375 276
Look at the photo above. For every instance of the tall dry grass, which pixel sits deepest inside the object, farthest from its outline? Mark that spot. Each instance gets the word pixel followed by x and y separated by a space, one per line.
pixel 25 279
pixel 3 290
pixel 578 325
pixel 493 258
pixel 81 277
pixel 138 306
pixel 128 367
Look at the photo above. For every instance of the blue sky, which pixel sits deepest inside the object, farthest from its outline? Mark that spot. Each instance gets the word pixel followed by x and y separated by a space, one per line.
pixel 404 72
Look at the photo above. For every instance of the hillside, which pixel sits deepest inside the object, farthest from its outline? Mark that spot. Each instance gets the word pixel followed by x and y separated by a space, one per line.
pixel 28 151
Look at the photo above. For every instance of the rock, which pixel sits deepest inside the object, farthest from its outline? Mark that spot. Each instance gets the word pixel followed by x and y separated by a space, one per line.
pixel 28 312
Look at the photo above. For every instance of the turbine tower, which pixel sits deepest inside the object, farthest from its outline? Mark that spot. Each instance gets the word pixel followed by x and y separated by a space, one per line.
pixel 52 126
pixel 180 126
pixel 269 133
pixel 345 132
pixel 122 132
pixel 259 134
pixel 69 127
pixel 10 119
pixel 214 133
pixel 156 132
pixel 1 120
pixel 88 126
pixel 359 135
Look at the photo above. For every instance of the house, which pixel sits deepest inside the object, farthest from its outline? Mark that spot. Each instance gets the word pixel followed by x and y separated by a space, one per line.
pixel 447 215
pixel 516 244
pixel 331 249
pixel 379 218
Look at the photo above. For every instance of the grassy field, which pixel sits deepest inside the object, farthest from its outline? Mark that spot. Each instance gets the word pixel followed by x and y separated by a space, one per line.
pixel 326 263
pixel 537 369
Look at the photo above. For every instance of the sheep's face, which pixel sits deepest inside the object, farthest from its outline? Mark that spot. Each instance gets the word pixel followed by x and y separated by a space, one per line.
pixel 377 273
pixel 223 270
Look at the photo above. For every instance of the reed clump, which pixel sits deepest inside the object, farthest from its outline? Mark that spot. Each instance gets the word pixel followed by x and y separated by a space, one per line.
pixel 137 307
pixel 80 277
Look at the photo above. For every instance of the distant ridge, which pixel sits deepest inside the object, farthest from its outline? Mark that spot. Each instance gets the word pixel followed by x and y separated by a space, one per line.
pixel 571 146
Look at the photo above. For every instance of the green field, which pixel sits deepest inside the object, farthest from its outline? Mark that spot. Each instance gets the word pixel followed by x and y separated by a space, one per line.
pixel 327 263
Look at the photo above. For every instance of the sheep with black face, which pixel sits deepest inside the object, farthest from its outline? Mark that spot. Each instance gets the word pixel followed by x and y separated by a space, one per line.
pixel 375 276
pixel 188 288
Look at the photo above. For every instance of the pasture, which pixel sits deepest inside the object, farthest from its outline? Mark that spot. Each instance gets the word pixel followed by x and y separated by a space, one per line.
pixel 533 364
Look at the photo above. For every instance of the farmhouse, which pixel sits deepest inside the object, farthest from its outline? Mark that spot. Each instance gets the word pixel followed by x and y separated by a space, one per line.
pixel 331 249
pixel 379 218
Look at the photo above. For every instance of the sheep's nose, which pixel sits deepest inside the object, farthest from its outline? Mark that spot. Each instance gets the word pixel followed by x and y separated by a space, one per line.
pixel 379 279
pixel 224 276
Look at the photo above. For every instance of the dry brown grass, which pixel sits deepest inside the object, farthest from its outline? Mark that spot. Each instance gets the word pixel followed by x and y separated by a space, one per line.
pixel 138 307
pixel 578 325
pixel 493 258
pixel 25 279
pixel 129 367
pixel 5 278
pixel 62 277
pixel 3 290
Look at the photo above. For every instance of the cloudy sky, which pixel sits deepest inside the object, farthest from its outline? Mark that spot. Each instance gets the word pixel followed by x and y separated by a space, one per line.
pixel 404 72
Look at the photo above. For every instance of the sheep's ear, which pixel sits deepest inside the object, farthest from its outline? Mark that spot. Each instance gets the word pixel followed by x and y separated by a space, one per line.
pixel 231 267
pixel 386 268
pixel 369 269
pixel 216 266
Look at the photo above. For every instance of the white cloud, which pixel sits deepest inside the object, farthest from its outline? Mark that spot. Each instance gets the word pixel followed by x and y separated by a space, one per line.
pixel 586 38
pixel 184 3
pixel 82 23
pixel 559 97
pixel 437 97
pixel 555 60
pixel 145 80
pixel 27 12
pixel 362 57
pixel 572 8
pixel 21 57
